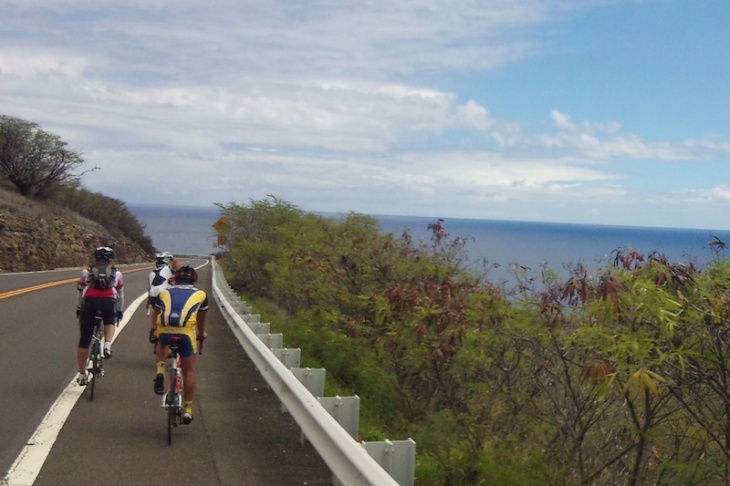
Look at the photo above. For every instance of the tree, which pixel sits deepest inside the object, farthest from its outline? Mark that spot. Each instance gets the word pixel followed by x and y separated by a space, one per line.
pixel 35 161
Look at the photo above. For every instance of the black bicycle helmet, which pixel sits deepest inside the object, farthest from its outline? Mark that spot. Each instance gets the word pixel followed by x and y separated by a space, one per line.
pixel 186 275
pixel 104 253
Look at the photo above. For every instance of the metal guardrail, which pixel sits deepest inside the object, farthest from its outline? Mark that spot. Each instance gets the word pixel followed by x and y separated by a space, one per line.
pixel 352 463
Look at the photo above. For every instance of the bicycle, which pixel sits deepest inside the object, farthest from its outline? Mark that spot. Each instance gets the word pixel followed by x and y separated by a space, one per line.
pixel 172 400
pixel 93 363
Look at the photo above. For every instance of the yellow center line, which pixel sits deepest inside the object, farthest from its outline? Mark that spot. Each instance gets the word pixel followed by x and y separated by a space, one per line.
pixel 13 293
pixel 25 290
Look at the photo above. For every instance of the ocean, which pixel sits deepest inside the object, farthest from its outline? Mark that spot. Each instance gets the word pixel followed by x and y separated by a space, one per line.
pixel 184 230
pixel 501 244
pixel 504 245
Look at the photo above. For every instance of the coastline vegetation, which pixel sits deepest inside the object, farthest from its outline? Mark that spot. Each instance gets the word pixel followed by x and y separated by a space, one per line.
pixel 614 377
pixel 39 165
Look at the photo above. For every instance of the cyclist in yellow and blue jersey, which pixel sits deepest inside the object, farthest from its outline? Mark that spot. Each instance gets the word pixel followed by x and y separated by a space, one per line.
pixel 183 308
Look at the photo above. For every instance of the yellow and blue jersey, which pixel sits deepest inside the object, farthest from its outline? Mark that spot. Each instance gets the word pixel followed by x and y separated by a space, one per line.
pixel 179 306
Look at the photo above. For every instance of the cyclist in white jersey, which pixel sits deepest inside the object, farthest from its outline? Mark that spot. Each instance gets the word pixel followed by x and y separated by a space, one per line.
pixel 159 279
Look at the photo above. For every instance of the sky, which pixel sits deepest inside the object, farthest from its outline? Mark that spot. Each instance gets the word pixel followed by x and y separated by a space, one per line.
pixel 573 111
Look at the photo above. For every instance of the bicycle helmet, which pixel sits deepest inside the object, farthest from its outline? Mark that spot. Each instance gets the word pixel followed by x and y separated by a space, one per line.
pixel 104 253
pixel 186 275
pixel 164 258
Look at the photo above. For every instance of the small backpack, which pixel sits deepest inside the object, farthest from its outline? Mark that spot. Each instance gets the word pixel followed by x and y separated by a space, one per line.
pixel 101 277
pixel 158 279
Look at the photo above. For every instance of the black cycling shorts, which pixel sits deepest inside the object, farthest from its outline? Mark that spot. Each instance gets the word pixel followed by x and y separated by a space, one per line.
pixel 108 313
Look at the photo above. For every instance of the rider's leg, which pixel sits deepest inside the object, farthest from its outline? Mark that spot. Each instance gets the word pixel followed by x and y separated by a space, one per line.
pixel 109 330
pixel 86 329
pixel 154 316
pixel 153 325
pixel 109 315
pixel 82 355
pixel 161 353
pixel 188 369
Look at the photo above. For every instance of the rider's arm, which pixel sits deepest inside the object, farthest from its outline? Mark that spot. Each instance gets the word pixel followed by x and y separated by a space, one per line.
pixel 120 300
pixel 82 280
pixel 202 314
pixel 81 286
pixel 119 288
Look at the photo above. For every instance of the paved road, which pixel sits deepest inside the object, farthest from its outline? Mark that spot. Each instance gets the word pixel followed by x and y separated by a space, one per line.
pixel 238 437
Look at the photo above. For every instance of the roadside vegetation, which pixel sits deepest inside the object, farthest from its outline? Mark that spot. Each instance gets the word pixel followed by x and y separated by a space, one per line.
pixel 40 165
pixel 613 377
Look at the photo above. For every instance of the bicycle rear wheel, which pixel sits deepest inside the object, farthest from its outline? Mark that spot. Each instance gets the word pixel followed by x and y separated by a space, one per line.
pixel 172 407
pixel 170 423
pixel 95 366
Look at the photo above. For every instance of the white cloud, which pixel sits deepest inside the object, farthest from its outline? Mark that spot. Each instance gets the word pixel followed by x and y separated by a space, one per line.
pixel 29 65
pixel 355 105
pixel 562 120
pixel 474 116
pixel 721 193
pixel 605 140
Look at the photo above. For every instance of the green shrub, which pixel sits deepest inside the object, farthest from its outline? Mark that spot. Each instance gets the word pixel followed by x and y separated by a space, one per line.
pixel 613 378
pixel 110 213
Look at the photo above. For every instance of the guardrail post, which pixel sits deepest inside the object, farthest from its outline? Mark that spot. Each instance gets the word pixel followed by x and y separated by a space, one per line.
pixel 272 340
pixel 312 379
pixel 346 410
pixel 241 307
pixel 260 327
pixel 397 457
pixel 289 356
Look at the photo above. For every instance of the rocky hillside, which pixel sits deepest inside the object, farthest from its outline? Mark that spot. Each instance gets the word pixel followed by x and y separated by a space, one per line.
pixel 37 236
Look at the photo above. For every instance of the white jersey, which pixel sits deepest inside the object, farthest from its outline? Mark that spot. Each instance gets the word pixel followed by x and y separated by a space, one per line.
pixel 158 280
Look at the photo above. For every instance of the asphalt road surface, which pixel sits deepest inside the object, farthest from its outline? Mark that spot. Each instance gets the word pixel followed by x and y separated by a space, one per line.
pixel 238 436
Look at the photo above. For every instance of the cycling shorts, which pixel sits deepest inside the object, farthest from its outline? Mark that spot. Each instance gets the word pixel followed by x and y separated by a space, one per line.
pixel 91 306
pixel 153 301
pixel 186 343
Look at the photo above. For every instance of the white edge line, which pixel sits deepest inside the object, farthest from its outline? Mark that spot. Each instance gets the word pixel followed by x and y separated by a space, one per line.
pixel 29 462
